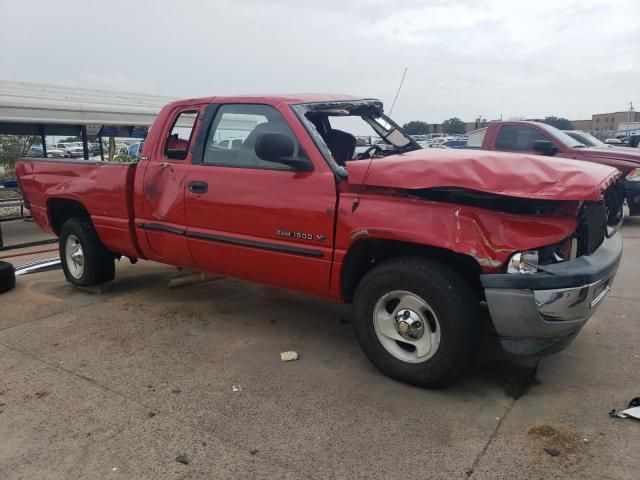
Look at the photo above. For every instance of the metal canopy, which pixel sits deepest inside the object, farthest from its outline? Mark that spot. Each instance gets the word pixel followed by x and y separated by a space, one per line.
pixel 48 104
pixel 36 109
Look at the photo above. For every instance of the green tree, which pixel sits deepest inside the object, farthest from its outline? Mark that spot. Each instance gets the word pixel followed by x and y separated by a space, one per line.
pixel 453 126
pixel 13 147
pixel 416 127
pixel 559 123
pixel 71 139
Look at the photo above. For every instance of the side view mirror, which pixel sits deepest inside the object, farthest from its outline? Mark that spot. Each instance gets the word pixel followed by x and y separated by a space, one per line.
pixel 545 147
pixel 279 148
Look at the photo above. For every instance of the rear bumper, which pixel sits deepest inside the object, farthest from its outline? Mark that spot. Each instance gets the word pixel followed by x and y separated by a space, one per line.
pixel 541 313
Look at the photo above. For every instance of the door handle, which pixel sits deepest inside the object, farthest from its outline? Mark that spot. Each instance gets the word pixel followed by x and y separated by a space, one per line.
pixel 165 165
pixel 198 187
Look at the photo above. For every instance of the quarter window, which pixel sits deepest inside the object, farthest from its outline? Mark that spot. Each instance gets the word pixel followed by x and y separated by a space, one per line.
pixel 176 145
pixel 512 137
pixel 234 131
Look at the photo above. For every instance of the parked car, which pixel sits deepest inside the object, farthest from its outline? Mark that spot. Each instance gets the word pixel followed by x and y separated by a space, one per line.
pixel 587 139
pixel 51 151
pixel 70 149
pixel 414 239
pixel 616 142
pixel 542 139
pixel 455 143
pixel 230 143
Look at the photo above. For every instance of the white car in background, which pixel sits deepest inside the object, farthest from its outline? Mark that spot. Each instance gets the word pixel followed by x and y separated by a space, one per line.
pixel 70 149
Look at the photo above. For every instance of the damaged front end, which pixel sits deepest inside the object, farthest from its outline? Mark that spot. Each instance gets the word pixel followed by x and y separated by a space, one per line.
pixel 544 296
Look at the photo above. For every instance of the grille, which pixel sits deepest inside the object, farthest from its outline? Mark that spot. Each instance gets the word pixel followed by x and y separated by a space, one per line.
pixel 592 228
pixel 596 217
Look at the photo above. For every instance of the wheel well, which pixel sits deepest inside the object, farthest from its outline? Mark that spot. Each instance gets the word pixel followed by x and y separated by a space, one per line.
pixel 367 253
pixel 62 209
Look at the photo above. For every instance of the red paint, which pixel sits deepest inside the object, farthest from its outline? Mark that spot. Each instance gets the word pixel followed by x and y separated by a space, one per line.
pixel 530 176
pixel 243 208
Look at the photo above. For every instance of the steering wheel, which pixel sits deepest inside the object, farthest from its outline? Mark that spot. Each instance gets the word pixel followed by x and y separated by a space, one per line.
pixel 370 152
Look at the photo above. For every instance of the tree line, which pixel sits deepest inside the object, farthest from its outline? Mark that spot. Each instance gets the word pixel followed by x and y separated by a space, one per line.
pixel 454 126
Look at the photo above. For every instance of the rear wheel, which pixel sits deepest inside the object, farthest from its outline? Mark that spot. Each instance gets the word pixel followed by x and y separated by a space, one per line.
pixel 416 320
pixel 85 260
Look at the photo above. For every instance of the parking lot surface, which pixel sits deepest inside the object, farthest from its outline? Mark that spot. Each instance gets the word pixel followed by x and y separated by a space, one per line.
pixel 123 382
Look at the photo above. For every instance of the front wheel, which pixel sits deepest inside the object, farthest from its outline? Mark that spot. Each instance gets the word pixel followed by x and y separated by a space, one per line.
pixel 85 260
pixel 416 320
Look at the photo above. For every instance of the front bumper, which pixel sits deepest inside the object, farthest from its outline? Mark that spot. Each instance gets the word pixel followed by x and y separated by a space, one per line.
pixel 541 313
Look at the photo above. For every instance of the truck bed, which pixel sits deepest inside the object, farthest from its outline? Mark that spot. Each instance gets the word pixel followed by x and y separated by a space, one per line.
pixel 104 189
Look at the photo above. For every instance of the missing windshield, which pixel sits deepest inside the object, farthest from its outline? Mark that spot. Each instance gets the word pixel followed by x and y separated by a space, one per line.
pixel 354 130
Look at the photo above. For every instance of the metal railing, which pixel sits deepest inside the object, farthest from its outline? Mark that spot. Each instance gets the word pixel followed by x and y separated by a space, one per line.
pixel 12 207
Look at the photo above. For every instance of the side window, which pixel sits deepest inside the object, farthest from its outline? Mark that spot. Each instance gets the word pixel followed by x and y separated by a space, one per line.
pixel 518 137
pixel 235 128
pixel 176 145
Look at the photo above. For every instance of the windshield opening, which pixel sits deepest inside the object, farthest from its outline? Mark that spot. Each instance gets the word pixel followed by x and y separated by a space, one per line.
pixel 562 137
pixel 346 131
pixel 586 138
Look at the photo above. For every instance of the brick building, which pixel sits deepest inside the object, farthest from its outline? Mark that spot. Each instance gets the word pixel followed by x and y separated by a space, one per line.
pixel 605 125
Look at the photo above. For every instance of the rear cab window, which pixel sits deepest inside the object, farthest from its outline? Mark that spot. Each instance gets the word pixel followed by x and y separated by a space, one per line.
pixel 518 138
pixel 178 141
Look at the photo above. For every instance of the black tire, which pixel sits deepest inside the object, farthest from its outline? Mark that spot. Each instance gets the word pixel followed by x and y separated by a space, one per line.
pixel 98 262
pixel 450 299
pixel 7 277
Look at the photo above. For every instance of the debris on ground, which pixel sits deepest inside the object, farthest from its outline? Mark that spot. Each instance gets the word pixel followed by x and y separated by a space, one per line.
pixel 253 451
pixel 236 388
pixel 176 390
pixel 632 410
pixel 555 438
pixel 151 414
pixel 288 356
pixel 182 458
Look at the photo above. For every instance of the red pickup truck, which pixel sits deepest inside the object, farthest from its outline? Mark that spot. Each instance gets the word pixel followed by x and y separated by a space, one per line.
pixel 417 240
pixel 542 139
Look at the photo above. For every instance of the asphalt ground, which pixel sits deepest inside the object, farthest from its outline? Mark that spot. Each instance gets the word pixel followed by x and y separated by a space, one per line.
pixel 122 381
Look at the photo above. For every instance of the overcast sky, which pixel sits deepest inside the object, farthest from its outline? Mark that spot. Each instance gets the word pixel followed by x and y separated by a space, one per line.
pixel 466 58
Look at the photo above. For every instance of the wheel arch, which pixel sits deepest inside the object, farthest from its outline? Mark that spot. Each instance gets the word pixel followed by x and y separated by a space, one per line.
pixel 62 209
pixel 366 253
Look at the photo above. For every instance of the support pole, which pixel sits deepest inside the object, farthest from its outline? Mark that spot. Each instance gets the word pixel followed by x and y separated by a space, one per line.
pixel 43 137
pixel 85 145
pixel 101 148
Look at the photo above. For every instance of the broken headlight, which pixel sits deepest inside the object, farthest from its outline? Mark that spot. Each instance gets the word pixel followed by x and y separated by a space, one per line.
pixel 532 261
pixel 523 262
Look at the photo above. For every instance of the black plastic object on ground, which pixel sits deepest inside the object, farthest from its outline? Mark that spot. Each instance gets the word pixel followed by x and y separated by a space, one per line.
pixel 7 277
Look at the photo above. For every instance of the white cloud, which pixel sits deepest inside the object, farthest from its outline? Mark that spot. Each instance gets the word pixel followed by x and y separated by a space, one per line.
pixel 515 58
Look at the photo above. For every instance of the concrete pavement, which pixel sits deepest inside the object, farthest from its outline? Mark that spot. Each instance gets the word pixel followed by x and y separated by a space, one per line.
pixel 118 384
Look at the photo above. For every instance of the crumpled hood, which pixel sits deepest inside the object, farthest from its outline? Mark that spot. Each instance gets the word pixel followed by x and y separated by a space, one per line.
pixel 509 174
